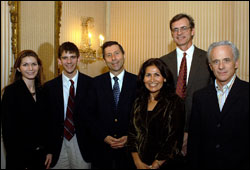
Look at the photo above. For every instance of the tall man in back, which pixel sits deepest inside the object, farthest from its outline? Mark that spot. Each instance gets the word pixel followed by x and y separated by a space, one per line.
pixel 188 65
pixel 67 99
pixel 112 96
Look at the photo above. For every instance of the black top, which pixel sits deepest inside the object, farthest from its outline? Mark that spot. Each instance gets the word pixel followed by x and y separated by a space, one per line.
pixel 23 124
pixel 157 134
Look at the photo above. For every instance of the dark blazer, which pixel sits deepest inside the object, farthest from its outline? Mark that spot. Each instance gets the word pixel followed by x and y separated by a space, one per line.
pixel 105 121
pixel 23 126
pixel 200 75
pixel 220 140
pixel 55 106
pixel 157 134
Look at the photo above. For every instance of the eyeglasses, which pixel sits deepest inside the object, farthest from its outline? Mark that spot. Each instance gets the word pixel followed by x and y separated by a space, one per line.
pixel 182 29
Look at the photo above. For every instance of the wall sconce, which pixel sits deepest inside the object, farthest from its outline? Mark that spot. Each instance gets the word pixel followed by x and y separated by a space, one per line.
pixel 88 54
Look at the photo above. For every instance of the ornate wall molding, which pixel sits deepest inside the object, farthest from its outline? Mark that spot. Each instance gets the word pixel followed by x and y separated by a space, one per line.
pixel 58 15
pixel 14 14
pixel 16 37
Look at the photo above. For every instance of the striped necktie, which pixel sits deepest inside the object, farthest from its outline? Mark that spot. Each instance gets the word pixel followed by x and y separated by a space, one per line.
pixel 69 128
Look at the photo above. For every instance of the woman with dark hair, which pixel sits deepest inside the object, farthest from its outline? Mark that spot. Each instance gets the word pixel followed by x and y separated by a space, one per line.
pixel 23 122
pixel 156 130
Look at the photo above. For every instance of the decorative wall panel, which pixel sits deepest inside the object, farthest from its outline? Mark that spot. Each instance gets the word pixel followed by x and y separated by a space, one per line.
pixel 143 28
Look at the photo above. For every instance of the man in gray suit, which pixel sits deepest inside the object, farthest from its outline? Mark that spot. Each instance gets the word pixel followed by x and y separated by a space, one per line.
pixel 197 72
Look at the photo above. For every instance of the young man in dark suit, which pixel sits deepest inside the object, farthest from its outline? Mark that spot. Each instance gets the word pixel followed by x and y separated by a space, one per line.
pixel 198 74
pixel 66 97
pixel 219 124
pixel 112 96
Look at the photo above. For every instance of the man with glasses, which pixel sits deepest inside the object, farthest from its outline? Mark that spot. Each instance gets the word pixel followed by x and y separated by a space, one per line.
pixel 188 65
pixel 112 98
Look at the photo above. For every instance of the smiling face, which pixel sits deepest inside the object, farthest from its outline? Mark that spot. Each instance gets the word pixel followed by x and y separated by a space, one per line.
pixel 182 33
pixel 153 79
pixel 114 59
pixel 222 64
pixel 69 63
pixel 28 68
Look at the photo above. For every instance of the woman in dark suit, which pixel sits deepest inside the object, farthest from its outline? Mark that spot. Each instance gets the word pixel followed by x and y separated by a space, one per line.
pixel 23 123
pixel 156 131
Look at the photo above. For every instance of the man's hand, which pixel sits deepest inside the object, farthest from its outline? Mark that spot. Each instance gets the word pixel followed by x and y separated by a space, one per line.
pixel 48 161
pixel 116 143
pixel 121 143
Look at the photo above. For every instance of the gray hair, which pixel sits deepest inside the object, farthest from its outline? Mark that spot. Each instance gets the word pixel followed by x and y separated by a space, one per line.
pixel 220 43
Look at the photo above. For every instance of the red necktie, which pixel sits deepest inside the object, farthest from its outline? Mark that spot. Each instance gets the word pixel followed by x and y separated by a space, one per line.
pixel 181 82
pixel 69 128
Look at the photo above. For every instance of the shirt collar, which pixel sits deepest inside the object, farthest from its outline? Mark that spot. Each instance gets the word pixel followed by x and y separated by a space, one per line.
pixel 189 52
pixel 227 86
pixel 66 79
pixel 120 76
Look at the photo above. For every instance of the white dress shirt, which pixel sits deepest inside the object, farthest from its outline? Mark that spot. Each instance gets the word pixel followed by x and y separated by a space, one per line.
pixel 66 86
pixel 223 93
pixel 120 81
pixel 189 58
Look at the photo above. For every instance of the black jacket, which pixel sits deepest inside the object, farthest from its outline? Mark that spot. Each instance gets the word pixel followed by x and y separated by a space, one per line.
pixel 55 107
pixel 220 140
pixel 23 124
pixel 104 120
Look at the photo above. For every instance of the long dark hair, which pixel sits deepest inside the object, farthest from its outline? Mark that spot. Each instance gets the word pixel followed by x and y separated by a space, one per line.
pixel 16 75
pixel 168 88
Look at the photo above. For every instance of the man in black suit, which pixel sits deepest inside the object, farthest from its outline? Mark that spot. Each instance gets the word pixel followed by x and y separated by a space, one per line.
pixel 198 74
pixel 70 140
pixel 219 124
pixel 110 120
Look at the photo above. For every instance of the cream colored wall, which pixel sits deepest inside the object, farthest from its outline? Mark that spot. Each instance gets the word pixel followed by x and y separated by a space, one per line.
pixel 7 58
pixel 71 28
pixel 143 28
pixel 37 31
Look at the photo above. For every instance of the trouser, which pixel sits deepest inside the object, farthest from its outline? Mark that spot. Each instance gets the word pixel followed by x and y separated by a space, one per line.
pixel 70 156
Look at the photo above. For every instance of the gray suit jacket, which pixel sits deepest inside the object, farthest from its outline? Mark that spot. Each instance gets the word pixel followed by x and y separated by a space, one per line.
pixel 200 75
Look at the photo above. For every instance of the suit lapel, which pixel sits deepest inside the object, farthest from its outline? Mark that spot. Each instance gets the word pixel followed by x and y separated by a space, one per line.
pixel 125 89
pixel 79 90
pixel 213 102
pixel 59 93
pixel 107 88
pixel 231 98
pixel 194 67
pixel 173 65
